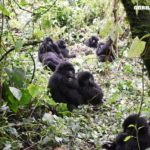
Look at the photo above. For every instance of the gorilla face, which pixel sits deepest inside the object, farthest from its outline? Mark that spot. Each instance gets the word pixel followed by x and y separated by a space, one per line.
pixel 85 79
pixel 94 40
pixel 61 43
pixel 67 71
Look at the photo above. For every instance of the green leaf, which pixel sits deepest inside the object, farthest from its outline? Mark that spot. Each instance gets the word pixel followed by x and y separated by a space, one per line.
pixel 105 31
pixel 137 48
pixel 34 90
pixel 18 45
pixel 12 102
pixel 26 97
pixel 128 138
pixel 16 93
pixel 4 10
pixel 23 3
pixel 16 76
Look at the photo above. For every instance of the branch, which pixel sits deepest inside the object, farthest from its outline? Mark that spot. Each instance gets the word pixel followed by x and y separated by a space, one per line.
pixel 47 9
pixel 24 45
pixel 142 97
pixel 22 8
pixel 34 67
pixel 2 24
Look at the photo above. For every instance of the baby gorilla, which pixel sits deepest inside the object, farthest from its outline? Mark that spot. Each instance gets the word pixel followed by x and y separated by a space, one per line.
pixel 104 51
pixel 92 42
pixel 90 91
pixel 63 49
pixel 64 86
pixel 137 129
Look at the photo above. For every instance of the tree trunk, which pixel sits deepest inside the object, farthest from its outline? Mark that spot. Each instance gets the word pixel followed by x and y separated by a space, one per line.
pixel 140 26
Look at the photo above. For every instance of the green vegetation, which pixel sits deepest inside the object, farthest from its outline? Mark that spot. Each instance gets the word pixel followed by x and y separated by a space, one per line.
pixel 26 115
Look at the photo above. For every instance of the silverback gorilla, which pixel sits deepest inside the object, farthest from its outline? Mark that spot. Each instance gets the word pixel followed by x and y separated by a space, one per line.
pixel 104 51
pixel 49 54
pixel 64 87
pixel 90 91
pixel 63 49
pixel 138 132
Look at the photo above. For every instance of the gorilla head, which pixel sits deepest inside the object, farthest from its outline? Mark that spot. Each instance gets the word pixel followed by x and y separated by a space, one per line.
pixel 66 69
pixel 92 42
pixel 134 122
pixel 85 79
pixel 61 43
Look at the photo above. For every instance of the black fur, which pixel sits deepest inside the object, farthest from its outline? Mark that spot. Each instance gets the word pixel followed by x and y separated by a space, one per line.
pixel 92 42
pixel 138 129
pixel 49 54
pixel 63 49
pixel 51 60
pixel 63 85
pixel 89 90
pixel 104 51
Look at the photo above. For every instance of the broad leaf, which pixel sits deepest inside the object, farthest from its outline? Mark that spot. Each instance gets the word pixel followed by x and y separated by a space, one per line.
pixel 26 97
pixel 16 93
pixel 34 90
pixel 137 48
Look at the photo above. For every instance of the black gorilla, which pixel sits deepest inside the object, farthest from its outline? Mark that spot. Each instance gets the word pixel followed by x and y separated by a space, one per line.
pixel 92 42
pixel 90 91
pixel 49 54
pixel 64 86
pixel 104 51
pixel 63 49
pixel 51 60
pixel 137 129
pixel 48 46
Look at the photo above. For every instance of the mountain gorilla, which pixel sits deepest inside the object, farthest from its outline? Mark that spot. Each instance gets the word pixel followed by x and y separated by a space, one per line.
pixel 138 131
pixel 64 86
pixel 90 91
pixel 48 46
pixel 104 51
pixel 63 49
pixel 51 60
pixel 92 42
pixel 49 54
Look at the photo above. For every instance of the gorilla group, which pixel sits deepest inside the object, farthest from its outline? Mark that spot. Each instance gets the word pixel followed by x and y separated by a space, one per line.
pixel 65 87
pixel 51 54
pixel 103 50
pixel 135 135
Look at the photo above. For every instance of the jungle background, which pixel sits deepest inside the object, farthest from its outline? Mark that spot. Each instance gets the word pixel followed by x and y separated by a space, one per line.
pixel 27 116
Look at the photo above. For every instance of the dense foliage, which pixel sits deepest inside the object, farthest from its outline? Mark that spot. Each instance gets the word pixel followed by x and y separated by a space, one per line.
pixel 30 119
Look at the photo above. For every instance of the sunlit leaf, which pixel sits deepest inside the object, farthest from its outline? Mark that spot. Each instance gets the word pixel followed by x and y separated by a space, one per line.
pixel 137 48
pixel 34 90
pixel 128 138
pixel 26 97
pixel 16 93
